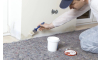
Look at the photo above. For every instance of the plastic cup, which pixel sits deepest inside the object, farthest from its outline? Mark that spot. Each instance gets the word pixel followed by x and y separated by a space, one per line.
pixel 52 43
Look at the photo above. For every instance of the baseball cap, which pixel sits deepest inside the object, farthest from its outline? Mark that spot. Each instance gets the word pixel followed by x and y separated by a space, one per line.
pixel 65 3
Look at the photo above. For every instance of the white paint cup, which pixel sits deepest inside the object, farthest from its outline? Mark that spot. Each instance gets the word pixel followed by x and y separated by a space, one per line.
pixel 52 43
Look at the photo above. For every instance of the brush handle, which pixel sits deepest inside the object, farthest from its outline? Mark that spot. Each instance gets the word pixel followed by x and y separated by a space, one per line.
pixel 39 26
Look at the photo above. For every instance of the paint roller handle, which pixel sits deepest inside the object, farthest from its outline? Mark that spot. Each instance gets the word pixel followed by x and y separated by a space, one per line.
pixel 41 24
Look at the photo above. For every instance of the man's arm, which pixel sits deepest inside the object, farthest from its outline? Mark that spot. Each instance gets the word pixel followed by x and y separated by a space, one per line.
pixel 68 16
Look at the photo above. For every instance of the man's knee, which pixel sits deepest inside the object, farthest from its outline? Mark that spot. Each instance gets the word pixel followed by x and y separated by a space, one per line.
pixel 89 48
pixel 89 40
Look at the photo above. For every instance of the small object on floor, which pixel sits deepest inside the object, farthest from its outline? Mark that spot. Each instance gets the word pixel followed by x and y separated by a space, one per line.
pixel 70 52
pixel 35 29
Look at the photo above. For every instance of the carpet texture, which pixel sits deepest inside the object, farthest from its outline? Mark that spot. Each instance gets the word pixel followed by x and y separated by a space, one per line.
pixel 36 49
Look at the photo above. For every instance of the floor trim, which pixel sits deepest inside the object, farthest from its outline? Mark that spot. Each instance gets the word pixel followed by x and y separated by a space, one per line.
pixel 6 34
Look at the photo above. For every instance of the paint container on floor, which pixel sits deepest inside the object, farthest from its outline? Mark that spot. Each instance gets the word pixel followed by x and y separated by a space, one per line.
pixel 52 43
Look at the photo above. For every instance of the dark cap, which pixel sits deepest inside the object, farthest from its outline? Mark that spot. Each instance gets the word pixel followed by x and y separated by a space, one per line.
pixel 65 3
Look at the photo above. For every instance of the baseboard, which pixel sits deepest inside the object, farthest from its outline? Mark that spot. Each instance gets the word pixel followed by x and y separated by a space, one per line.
pixel 6 34
pixel 81 27
pixel 79 24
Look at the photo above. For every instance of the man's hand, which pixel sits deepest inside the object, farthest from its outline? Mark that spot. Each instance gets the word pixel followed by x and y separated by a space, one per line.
pixel 46 26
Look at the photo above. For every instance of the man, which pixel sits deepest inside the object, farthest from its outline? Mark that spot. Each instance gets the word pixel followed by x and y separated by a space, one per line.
pixel 88 38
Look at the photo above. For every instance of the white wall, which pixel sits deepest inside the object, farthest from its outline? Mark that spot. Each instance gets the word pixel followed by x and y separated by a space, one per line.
pixel 5 29
pixel 36 11
pixel 14 17
pixel 25 15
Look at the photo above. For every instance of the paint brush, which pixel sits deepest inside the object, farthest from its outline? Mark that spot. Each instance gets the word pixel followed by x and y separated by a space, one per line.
pixel 35 29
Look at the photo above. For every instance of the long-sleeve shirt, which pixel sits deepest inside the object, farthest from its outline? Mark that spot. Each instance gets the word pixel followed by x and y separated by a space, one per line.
pixel 71 14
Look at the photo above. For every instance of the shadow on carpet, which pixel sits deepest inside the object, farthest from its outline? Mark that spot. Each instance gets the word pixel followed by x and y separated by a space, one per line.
pixel 36 49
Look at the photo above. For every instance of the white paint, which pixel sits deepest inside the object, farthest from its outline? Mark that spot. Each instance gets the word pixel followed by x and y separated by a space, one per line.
pixel 14 17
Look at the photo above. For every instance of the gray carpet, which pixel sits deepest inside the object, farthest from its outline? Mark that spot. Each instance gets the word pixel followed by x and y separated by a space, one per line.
pixel 36 49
